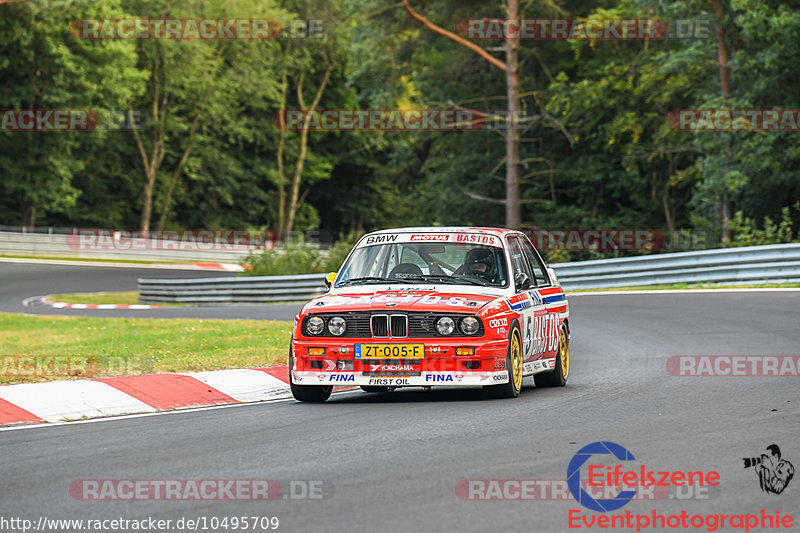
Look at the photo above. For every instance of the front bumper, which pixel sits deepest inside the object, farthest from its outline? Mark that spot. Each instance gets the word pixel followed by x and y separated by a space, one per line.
pixel 424 379
pixel 342 365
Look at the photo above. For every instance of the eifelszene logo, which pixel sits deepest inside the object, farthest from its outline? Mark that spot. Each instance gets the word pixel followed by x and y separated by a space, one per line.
pixel 599 475
pixel 774 473
pixel 574 476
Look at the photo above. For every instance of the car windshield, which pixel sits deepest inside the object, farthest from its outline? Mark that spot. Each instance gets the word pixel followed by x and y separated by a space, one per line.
pixel 411 262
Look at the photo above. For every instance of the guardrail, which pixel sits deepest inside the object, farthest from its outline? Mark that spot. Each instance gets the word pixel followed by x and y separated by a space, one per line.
pixel 138 249
pixel 232 289
pixel 778 263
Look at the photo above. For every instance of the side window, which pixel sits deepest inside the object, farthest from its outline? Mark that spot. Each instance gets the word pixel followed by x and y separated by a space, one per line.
pixel 518 262
pixel 536 263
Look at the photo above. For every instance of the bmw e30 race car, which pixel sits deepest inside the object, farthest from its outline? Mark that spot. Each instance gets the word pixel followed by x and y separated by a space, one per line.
pixel 418 307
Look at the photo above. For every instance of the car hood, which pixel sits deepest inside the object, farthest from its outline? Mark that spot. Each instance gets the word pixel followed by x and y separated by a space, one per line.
pixel 451 299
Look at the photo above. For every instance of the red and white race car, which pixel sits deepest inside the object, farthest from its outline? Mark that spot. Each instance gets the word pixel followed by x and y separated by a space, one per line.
pixel 418 307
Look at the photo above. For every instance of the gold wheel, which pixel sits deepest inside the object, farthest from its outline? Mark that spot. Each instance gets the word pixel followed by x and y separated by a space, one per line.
pixel 563 351
pixel 514 367
pixel 516 362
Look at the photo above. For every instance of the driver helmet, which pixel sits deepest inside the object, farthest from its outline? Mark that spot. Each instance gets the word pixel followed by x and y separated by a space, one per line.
pixel 481 262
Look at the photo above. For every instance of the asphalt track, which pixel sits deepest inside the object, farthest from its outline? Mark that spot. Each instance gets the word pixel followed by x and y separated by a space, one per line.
pixel 391 462
pixel 19 281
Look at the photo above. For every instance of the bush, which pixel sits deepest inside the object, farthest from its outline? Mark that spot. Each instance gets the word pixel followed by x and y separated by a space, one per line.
pixel 746 232
pixel 300 258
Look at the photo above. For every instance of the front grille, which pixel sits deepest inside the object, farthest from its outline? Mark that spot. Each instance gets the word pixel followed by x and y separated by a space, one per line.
pixel 399 325
pixel 365 325
pixel 380 325
pixel 357 325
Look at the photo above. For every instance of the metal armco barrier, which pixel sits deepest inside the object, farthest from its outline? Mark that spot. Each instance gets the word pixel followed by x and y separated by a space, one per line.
pixel 232 289
pixel 62 245
pixel 778 263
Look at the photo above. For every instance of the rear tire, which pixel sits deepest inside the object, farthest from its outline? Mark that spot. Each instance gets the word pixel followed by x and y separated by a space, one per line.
pixel 558 377
pixel 514 366
pixel 307 393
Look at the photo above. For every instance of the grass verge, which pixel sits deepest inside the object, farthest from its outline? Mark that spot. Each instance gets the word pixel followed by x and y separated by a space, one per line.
pixel 44 348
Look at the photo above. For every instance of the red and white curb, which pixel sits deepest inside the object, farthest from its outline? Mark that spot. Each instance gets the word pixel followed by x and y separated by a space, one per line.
pixel 58 401
pixel 62 305
pixel 228 267
pixel 45 300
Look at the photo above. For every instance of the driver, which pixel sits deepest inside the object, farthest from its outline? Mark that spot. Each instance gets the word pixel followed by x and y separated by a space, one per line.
pixel 480 264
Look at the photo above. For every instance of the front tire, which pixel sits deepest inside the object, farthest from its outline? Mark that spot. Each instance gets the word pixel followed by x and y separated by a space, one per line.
pixel 514 367
pixel 307 393
pixel 558 377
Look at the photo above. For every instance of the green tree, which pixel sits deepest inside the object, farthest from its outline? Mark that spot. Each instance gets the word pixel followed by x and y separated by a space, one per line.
pixel 44 66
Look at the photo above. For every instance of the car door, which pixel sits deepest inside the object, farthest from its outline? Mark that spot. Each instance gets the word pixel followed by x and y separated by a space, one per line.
pixel 526 302
pixel 545 322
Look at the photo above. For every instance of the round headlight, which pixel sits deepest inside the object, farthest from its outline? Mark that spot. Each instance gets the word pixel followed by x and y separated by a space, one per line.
pixel 445 325
pixel 315 325
pixel 337 325
pixel 469 325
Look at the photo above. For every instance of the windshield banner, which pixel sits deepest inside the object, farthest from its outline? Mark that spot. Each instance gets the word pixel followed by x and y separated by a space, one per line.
pixel 466 238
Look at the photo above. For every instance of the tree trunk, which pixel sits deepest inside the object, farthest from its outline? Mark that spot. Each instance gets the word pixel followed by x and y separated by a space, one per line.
pixel 513 212
pixel 152 163
pixel 722 50
pixel 294 194
pixel 29 210
pixel 177 173
pixel 512 196
pixel 279 155
pixel 147 203
pixel 727 206
pixel 29 217
pixel 668 211
pixel 724 80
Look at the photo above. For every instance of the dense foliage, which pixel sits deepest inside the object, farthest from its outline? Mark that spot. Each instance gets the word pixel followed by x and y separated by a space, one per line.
pixel 595 147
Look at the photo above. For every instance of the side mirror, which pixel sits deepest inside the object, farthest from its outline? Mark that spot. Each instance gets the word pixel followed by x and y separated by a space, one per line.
pixel 329 279
pixel 522 281
pixel 552 274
